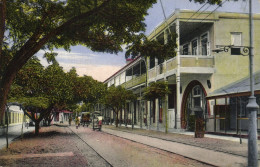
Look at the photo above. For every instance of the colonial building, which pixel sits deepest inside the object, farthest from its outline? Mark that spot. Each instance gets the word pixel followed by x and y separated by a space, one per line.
pixel 195 72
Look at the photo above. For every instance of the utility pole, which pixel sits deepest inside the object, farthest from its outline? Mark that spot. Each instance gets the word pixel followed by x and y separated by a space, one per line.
pixel 252 106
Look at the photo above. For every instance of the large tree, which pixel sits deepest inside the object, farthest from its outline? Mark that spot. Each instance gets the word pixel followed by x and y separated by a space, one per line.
pixel 26 26
pixel 28 89
pixel 43 90
pixel 101 25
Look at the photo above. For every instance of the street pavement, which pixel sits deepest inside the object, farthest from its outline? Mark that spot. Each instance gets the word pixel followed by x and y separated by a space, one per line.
pixel 13 132
pixel 212 150
pixel 121 152
pixel 215 150
pixel 201 154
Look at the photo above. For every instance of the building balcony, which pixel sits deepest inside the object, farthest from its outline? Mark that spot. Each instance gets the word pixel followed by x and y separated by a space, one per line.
pixel 134 81
pixel 188 64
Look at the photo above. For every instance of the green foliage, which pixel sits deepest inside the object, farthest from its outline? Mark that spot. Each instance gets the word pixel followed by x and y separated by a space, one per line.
pixel 40 103
pixel 62 90
pixel 50 57
pixel 156 90
pixel 147 48
pixel 101 25
pixel 29 80
pixel 116 97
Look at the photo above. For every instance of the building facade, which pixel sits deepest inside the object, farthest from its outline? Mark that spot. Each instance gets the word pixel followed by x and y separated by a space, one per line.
pixel 195 72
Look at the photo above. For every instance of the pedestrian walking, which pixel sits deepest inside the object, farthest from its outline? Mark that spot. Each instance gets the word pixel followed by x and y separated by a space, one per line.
pixel 70 119
pixel 77 122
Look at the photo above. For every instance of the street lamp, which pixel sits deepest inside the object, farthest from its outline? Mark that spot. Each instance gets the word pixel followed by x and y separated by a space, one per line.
pixel 252 107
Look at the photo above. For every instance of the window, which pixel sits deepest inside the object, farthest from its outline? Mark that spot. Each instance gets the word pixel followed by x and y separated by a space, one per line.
pixel 194 45
pixel 160 38
pixel 160 60
pixel 197 96
pixel 152 62
pixel 128 75
pixel 122 78
pixel 185 50
pixel 136 69
pixel 236 38
pixel 204 44
pixel 143 67
pixel 117 81
pixel 171 97
pixel 242 103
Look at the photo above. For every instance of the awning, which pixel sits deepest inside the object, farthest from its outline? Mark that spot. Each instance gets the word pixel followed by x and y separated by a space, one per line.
pixel 65 111
pixel 239 88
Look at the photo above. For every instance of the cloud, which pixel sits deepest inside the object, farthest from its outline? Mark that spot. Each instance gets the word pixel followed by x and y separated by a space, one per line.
pixel 98 72
pixel 98 65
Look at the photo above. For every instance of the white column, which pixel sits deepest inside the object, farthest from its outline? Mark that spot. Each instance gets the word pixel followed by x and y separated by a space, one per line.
pixel 178 77
pixel 157 113
pixel 166 114
pixel 148 114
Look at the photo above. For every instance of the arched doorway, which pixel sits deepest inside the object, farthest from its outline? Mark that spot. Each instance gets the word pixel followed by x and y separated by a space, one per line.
pixel 193 97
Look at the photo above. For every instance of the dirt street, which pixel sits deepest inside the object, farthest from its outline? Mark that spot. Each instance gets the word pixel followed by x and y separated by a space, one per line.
pixel 59 146
pixel 125 153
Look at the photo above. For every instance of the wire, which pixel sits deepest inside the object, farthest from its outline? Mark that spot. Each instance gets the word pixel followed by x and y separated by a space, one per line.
pixel 165 19
pixel 194 14
pixel 222 3
pixel 205 18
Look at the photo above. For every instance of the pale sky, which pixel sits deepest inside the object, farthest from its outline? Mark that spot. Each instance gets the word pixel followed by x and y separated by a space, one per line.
pixel 102 65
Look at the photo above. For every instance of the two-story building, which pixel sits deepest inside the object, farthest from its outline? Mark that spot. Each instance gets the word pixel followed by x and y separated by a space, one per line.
pixel 196 71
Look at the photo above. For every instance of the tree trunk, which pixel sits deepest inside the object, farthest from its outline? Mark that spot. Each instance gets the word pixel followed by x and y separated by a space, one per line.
pixel 7 124
pixel 37 127
pixel 121 117
pixel 116 119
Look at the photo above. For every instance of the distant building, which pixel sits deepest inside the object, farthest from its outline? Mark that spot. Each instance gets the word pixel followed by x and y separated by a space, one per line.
pixel 15 117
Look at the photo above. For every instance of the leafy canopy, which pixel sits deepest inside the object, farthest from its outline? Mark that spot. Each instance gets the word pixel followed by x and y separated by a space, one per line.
pixel 156 90
pixel 116 97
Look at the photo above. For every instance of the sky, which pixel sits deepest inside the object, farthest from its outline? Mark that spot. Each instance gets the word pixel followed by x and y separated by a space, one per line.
pixel 102 65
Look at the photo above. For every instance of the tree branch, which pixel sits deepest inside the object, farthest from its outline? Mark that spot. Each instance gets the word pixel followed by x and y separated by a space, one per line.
pixel 2 24
pixel 31 47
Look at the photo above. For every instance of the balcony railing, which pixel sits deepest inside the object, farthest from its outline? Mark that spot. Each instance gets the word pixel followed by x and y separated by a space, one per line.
pixel 188 61
pixel 136 80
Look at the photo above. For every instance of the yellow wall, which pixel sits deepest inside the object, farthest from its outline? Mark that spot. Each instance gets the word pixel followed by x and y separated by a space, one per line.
pixel 14 118
pixel 231 68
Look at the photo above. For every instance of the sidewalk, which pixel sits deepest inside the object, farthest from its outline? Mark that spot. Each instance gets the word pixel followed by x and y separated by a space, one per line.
pixel 13 132
pixel 204 149
pixel 221 144
pixel 175 131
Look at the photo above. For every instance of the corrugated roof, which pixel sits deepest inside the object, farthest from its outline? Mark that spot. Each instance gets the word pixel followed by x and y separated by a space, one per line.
pixel 241 86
